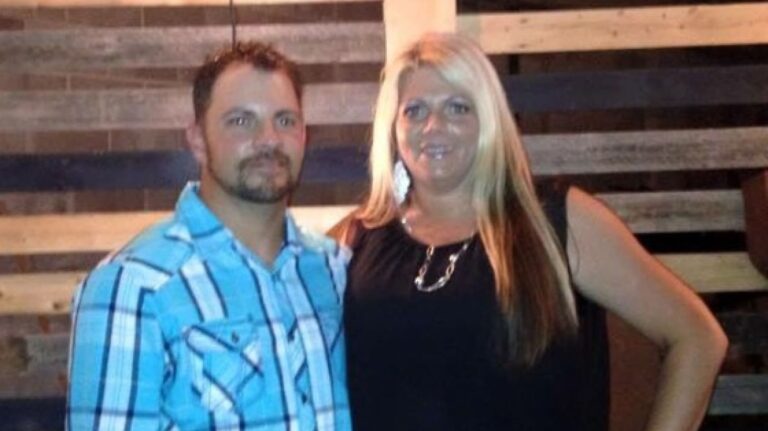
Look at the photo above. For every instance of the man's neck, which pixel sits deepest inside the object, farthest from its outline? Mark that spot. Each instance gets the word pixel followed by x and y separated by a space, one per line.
pixel 258 226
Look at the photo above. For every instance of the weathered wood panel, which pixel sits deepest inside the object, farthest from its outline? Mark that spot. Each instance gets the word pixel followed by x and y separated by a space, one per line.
pixel 155 169
pixel 553 154
pixel 747 331
pixel 161 108
pixel 41 293
pixel 107 231
pixel 716 272
pixel 619 28
pixel 652 88
pixel 50 293
pixel 688 211
pixel 649 151
pixel 352 103
pixel 100 232
pixel 406 20
pixel 20 325
pixel 110 171
pixel 88 49
pixel 740 394
pixel 180 3
pixel 755 191
pixel 43 374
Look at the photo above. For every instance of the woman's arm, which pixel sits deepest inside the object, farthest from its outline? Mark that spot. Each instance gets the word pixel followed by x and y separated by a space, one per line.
pixel 611 268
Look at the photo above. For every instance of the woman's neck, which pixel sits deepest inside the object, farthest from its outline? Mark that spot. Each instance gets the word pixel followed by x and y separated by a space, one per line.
pixel 440 218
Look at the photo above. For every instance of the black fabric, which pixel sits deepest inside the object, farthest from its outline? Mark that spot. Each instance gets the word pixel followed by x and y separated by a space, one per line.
pixel 425 361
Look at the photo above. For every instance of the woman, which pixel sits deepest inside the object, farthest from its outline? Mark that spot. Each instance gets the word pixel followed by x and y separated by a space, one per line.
pixel 466 306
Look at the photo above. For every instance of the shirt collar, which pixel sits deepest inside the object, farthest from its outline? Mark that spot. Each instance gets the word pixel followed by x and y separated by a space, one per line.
pixel 212 237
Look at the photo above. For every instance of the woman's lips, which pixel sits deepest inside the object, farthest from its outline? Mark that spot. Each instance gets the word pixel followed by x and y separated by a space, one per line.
pixel 436 151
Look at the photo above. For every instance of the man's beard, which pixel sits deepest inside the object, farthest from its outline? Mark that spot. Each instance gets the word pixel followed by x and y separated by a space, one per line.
pixel 268 191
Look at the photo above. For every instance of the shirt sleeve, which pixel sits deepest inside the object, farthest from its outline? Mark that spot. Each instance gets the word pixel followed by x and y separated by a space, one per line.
pixel 116 354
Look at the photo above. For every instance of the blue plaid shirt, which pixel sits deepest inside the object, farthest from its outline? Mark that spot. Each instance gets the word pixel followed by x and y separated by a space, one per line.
pixel 186 329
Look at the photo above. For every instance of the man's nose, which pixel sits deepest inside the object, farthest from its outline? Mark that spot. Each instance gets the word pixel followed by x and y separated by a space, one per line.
pixel 269 135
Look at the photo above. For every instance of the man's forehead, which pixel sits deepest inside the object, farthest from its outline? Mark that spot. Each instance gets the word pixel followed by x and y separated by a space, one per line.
pixel 247 72
pixel 251 86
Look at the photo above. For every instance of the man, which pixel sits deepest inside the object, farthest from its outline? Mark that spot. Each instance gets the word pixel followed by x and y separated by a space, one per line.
pixel 225 316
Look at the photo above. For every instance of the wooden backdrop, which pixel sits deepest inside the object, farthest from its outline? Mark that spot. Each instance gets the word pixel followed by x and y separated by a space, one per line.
pixel 658 109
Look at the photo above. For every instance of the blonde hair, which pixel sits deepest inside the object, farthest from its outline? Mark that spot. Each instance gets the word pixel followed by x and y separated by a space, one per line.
pixel 531 275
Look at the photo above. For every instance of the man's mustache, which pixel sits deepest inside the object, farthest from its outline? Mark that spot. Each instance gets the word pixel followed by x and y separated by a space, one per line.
pixel 272 155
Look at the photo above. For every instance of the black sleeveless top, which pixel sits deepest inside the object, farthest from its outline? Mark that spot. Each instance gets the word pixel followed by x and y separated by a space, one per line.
pixel 425 361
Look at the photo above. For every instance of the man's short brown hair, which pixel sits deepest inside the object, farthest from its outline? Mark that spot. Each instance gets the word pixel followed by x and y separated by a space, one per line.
pixel 259 55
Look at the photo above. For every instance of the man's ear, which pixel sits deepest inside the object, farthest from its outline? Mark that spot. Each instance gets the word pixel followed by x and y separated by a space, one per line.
pixel 196 142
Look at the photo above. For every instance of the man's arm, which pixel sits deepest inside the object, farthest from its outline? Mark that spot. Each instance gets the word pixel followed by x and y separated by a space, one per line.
pixel 116 354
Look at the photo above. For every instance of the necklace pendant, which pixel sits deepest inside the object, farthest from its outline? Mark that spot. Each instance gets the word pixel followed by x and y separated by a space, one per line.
pixel 418 282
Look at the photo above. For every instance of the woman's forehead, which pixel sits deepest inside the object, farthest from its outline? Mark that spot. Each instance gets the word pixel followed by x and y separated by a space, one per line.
pixel 428 80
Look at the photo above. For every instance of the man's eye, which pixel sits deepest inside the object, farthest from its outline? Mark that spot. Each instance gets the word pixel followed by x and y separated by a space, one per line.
pixel 240 121
pixel 287 121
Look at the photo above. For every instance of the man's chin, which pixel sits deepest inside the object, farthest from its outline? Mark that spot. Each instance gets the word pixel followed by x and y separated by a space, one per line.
pixel 264 193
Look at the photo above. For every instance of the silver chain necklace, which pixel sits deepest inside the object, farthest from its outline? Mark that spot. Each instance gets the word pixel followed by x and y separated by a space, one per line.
pixel 418 282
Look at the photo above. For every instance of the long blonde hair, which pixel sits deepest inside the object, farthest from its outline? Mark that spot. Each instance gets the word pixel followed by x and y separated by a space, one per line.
pixel 531 275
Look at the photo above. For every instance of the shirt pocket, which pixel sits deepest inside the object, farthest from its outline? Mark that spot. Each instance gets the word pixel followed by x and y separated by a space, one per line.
pixel 226 363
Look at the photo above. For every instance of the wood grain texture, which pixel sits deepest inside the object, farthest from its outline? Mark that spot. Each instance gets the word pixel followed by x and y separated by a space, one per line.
pixel 755 192
pixel 618 28
pixel 684 211
pixel 50 293
pixel 145 3
pixel 747 331
pixel 740 394
pixel 550 155
pixel 154 169
pixel 43 293
pixel 640 88
pixel 659 212
pixel 716 272
pixel 88 49
pixel 407 20
pixel 648 151
pixel 108 231
pixel 161 108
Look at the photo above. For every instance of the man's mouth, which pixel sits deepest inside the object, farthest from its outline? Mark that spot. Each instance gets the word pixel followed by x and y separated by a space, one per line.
pixel 271 160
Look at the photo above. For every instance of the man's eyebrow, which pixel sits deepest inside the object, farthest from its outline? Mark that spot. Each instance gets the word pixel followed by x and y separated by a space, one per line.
pixel 239 110
pixel 289 111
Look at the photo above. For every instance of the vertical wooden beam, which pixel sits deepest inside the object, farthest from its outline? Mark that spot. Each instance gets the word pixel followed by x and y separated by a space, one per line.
pixel 406 20
pixel 755 190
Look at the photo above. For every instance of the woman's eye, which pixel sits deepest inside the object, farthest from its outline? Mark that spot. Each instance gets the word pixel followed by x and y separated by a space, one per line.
pixel 414 112
pixel 459 108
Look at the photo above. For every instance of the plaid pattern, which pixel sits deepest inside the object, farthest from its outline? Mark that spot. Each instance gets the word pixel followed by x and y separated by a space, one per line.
pixel 186 329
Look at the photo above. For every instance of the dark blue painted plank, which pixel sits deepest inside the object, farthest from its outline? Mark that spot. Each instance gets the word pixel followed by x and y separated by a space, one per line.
pixel 624 89
pixel 43 414
pixel 158 169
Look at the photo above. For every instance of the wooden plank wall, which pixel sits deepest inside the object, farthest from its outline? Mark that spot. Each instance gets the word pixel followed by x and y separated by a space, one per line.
pixel 644 97
pixel 94 98
pixel 660 111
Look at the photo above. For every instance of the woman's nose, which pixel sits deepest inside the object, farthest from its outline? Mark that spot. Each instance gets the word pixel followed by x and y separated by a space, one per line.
pixel 435 121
